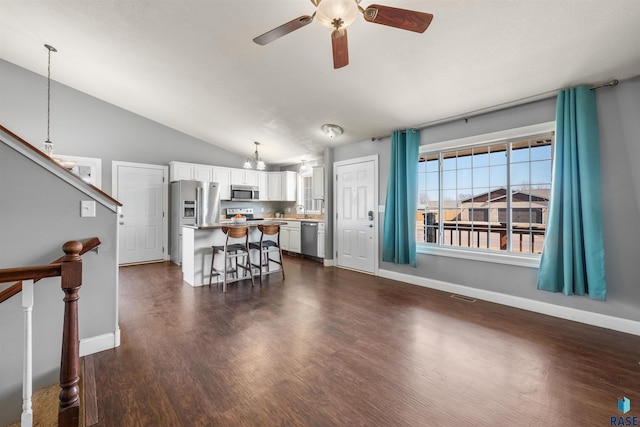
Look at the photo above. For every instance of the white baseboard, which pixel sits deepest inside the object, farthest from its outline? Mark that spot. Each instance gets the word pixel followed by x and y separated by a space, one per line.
pixel 329 262
pixel 568 313
pixel 99 343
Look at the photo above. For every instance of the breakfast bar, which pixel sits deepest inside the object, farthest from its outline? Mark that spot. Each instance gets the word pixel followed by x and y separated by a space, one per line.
pixel 196 248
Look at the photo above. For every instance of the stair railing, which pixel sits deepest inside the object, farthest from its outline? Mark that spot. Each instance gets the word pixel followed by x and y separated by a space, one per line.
pixel 69 268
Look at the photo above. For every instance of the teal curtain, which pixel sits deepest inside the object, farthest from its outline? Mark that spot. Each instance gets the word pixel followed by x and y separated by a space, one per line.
pixel 573 256
pixel 399 239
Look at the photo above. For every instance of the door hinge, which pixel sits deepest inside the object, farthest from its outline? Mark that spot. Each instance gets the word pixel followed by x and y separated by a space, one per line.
pixel 163 249
pixel 336 254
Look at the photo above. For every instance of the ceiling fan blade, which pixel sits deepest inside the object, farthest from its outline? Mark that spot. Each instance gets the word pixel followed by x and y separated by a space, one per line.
pixel 404 19
pixel 340 48
pixel 283 30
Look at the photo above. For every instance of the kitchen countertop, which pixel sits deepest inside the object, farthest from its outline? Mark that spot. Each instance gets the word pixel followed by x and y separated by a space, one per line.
pixel 301 219
pixel 231 224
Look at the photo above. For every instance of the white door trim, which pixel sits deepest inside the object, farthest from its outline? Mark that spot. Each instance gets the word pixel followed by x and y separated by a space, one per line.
pixel 165 195
pixel 376 228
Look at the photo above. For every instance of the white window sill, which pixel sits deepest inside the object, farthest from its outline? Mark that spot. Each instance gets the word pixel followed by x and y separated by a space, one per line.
pixel 521 260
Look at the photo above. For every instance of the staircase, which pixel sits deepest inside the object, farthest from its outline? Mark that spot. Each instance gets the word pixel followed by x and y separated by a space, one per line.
pixel 69 269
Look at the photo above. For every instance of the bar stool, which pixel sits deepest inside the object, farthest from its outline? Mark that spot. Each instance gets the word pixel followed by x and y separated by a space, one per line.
pixel 266 246
pixel 232 250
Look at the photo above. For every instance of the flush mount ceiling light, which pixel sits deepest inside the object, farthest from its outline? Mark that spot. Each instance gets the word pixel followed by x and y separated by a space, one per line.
pixel 248 164
pixel 332 131
pixel 337 15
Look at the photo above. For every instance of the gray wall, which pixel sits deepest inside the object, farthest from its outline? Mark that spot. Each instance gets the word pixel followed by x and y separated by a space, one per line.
pixel 82 125
pixel 38 213
pixel 618 110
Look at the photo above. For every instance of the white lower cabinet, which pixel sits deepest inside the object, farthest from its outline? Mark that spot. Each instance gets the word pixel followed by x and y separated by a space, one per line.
pixel 290 237
pixel 321 236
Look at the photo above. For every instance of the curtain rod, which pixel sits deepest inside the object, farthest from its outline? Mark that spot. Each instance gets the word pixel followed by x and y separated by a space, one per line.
pixel 521 101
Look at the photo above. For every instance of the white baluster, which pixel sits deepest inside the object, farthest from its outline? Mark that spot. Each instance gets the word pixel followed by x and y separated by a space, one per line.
pixel 26 420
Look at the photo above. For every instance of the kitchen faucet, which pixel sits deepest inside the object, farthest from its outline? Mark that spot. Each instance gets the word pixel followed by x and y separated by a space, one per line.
pixel 304 211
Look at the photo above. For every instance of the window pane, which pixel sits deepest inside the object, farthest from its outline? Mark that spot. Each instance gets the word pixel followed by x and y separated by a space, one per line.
pixel 432 181
pixel 449 179
pixel 432 164
pixel 464 178
pixel 541 172
pixel 520 175
pixel 498 155
pixel 541 152
pixel 449 161
pixel 480 156
pixel 520 151
pixel 498 176
pixel 480 177
pixel 464 159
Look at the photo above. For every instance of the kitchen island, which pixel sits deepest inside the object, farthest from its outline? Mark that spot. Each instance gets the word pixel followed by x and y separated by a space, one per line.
pixel 197 252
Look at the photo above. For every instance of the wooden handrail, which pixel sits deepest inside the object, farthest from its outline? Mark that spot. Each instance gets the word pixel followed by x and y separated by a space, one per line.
pixel 69 268
pixel 6 274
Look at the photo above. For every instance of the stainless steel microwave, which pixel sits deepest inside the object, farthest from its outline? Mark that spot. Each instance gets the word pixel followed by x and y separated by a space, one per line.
pixel 244 193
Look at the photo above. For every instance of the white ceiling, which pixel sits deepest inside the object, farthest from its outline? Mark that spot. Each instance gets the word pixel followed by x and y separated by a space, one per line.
pixel 191 64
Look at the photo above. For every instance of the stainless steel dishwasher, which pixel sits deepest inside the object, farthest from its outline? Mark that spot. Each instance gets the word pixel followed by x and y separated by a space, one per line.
pixel 309 238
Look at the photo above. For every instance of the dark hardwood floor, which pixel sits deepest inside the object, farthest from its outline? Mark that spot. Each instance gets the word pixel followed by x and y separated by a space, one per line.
pixel 332 347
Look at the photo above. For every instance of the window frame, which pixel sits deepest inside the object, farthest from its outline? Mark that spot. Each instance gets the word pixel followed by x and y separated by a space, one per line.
pixel 301 189
pixel 507 257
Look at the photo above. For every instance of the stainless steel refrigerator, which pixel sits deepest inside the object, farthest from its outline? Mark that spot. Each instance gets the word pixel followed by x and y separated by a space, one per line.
pixel 192 203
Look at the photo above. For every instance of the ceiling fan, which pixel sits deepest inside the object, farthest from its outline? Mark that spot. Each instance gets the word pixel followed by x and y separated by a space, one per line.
pixel 339 14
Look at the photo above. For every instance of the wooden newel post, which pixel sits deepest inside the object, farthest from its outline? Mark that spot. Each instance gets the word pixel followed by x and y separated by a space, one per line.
pixel 69 410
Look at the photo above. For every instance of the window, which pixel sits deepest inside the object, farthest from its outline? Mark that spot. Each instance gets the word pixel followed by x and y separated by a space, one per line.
pixel 311 206
pixel 486 193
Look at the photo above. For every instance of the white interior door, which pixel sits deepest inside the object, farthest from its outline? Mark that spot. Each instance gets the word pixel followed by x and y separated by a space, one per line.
pixel 356 219
pixel 141 234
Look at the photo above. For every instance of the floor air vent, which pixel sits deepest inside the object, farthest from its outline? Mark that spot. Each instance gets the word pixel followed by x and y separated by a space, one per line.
pixel 463 298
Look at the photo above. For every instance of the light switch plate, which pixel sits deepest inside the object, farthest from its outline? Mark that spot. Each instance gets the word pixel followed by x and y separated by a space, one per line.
pixel 87 208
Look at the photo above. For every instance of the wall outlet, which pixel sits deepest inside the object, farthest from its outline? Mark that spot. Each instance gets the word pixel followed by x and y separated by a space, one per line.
pixel 87 208
pixel 288 210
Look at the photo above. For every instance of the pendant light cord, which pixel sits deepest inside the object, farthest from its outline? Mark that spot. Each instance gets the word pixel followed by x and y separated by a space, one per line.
pixel 51 49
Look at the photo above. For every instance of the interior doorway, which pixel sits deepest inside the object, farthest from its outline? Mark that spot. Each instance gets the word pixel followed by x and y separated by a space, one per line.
pixel 142 224
pixel 355 202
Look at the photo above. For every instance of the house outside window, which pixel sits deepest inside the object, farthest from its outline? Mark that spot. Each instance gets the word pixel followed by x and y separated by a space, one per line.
pixel 488 195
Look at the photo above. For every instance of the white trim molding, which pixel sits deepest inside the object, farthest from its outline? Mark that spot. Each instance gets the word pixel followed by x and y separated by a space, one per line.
pixel 587 317
pixel 99 343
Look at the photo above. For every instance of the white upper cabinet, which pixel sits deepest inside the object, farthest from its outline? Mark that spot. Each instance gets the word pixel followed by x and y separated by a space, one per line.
pixel 203 173
pixel 223 177
pixel 179 171
pixel 290 186
pixel 279 186
pixel 282 186
pixel 317 183
pixel 263 185
pixel 244 177
pixel 275 186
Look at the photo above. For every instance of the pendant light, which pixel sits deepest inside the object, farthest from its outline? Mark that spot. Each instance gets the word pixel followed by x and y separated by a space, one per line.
pixel 248 164
pixel 47 147
pixel 305 169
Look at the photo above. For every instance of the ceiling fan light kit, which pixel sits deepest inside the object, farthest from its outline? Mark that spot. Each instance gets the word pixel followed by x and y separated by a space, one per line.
pixel 339 14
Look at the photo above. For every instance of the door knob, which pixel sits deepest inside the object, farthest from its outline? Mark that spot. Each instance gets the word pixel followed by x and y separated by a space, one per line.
pixel 121 223
pixel 370 225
